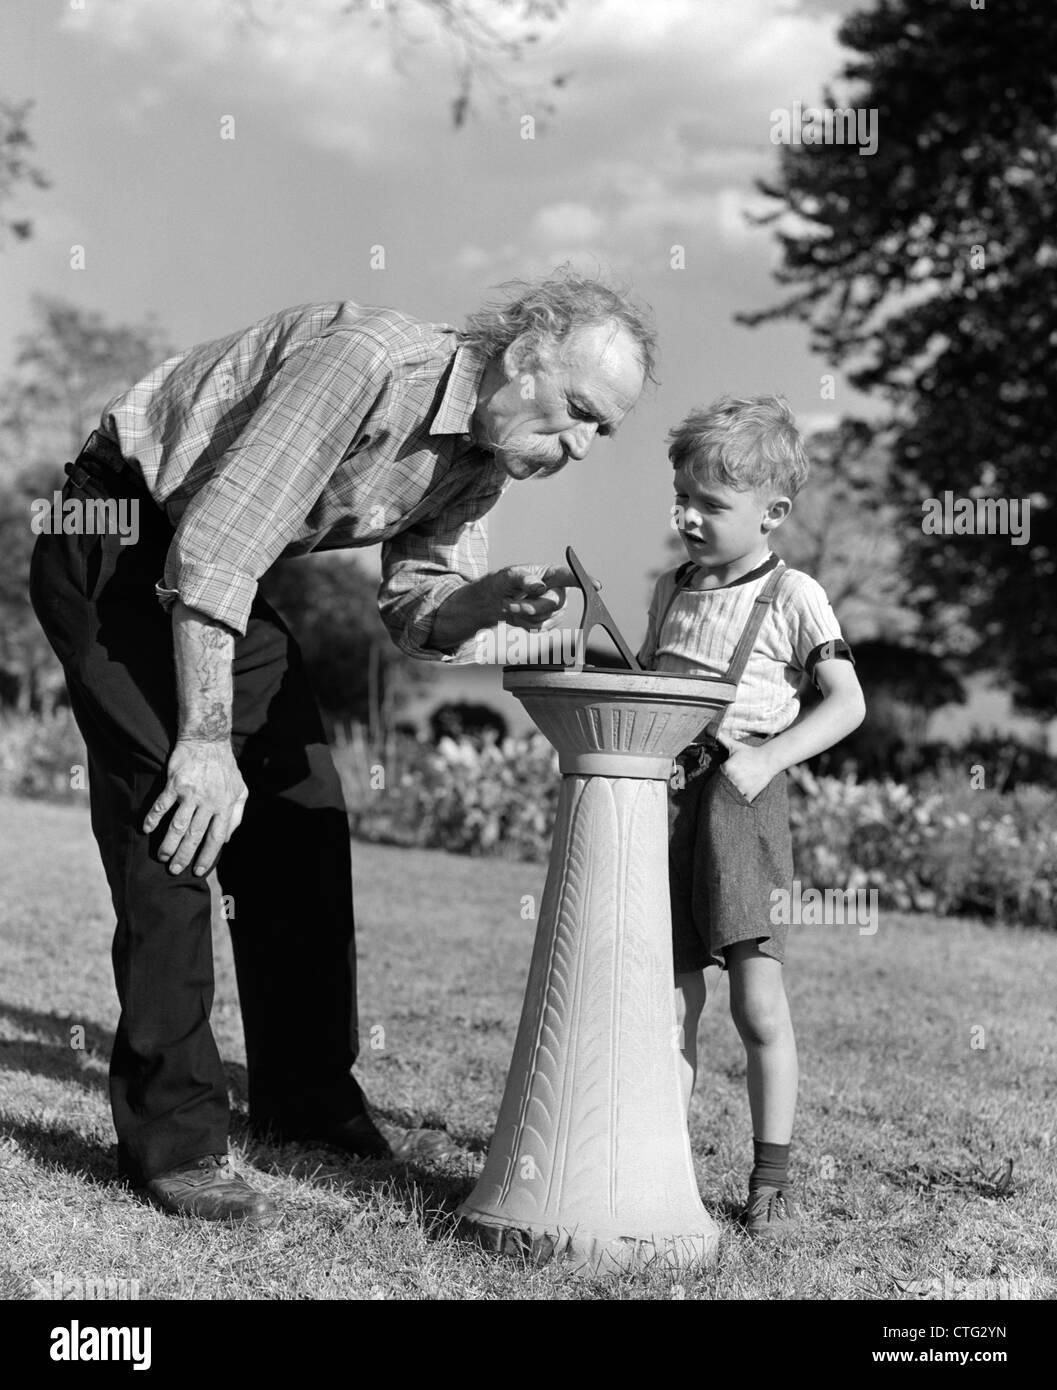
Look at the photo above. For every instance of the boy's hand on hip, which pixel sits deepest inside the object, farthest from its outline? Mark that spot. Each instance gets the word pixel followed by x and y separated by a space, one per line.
pixel 748 767
pixel 206 787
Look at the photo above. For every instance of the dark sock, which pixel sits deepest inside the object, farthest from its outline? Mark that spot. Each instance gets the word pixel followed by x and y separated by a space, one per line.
pixel 770 1165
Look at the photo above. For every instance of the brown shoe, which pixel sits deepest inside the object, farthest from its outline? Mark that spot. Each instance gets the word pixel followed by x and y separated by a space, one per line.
pixel 770 1214
pixel 210 1189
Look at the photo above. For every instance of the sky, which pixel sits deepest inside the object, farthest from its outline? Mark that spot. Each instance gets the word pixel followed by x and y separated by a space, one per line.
pixel 343 142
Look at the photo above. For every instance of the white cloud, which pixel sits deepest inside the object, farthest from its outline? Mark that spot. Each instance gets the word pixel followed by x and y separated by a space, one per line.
pixel 815 422
pixel 629 215
pixel 334 75
pixel 663 126
pixel 574 223
pixel 723 67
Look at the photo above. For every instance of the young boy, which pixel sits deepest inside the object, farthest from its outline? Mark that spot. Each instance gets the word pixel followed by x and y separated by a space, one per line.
pixel 736 610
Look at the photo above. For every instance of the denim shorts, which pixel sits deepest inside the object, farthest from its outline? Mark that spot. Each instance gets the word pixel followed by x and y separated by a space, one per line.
pixel 726 857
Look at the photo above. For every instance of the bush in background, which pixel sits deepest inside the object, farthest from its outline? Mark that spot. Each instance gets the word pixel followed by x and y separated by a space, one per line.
pixel 478 796
pixel 936 845
pixel 939 845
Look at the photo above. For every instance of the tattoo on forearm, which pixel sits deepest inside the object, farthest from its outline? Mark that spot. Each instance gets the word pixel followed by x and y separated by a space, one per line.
pixel 204 651
pixel 213 724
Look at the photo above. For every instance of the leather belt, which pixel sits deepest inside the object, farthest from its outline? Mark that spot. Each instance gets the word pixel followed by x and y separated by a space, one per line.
pixel 98 454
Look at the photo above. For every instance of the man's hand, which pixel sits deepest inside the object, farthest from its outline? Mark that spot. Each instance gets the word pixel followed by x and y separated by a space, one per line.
pixel 528 596
pixel 203 781
pixel 749 767
pixel 525 596
pixel 206 787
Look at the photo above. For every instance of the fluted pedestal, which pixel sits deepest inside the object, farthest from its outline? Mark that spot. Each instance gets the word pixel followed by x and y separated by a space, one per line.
pixel 590 1160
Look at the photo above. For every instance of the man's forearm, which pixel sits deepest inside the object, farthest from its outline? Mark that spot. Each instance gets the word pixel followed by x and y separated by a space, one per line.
pixel 464 613
pixel 204 650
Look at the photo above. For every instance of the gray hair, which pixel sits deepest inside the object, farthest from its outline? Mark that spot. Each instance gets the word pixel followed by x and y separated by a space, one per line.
pixel 742 442
pixel 552 308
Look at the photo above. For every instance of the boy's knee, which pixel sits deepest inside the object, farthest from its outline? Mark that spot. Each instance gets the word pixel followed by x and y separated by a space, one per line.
pixel 760 1014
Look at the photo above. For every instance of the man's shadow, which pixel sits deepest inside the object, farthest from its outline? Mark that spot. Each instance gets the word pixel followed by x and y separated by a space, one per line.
pixel 64 1050
pixel 69 1045
pixel 429 1193
pixel 74 1051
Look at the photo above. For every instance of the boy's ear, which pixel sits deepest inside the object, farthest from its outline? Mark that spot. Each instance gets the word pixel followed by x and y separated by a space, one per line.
pixel 777 512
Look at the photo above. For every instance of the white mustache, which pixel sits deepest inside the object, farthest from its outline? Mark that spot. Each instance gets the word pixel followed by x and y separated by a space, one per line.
pixel 525 449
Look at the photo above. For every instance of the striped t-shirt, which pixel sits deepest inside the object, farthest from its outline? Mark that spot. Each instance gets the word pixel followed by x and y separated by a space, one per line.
pixel 702 628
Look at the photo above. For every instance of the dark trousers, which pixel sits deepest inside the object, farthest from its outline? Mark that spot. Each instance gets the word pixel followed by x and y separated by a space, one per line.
pixel 286 872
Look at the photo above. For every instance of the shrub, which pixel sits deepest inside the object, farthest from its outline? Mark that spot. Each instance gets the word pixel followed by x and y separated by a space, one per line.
pixel 937 846
pixel 471 797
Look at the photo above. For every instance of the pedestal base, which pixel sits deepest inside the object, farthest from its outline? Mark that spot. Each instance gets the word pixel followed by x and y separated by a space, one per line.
pixel 591 1160
pixel 595 1252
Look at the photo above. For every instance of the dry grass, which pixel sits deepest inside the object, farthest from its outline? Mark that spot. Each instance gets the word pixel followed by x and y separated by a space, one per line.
pixel 904 1138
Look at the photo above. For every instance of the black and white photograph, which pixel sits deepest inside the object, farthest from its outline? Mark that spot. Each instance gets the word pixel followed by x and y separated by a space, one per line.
pixel 528 669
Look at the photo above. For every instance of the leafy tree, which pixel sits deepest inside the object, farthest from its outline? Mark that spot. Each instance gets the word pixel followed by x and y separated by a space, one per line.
pixel 66 366
pixel 15 166
pixel 485 40
pixel 30 677
pixel 69 363
pixel 905 685
pixel 929 271
pixel 844 532
pixel 331 606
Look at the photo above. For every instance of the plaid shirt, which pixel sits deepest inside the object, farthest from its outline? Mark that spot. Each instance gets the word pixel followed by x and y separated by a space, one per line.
pixel 321 427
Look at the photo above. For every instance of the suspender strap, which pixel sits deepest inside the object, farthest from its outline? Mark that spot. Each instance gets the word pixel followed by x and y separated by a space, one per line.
pixel 743 650
pixel 683 575
pixel 760 605
pixel 746 641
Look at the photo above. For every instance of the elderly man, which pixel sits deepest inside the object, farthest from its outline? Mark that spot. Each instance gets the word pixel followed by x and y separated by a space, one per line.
pixel 329 425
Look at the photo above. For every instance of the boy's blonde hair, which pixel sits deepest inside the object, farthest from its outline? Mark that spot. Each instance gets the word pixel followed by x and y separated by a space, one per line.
pixel 749 442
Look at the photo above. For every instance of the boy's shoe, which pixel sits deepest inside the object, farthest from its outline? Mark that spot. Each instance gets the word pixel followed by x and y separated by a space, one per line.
pixel 770 1213
pixel 210 1189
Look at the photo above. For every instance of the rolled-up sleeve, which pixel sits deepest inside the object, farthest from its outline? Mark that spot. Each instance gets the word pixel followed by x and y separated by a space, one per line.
pixel 241 520
pixel 426 564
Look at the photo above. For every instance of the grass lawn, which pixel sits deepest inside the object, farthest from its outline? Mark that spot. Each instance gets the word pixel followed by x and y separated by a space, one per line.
pixel 927 1058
